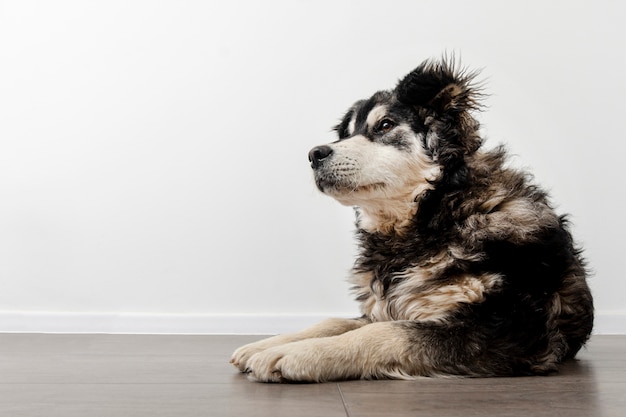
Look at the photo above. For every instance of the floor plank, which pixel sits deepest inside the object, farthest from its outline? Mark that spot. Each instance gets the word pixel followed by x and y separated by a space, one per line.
pixel 176 400
pixel 139 375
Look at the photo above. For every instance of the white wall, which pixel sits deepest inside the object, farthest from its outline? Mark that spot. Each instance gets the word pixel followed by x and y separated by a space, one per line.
pixel 153 155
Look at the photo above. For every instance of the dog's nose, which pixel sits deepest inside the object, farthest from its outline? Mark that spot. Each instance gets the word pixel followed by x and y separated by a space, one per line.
pixel 318 154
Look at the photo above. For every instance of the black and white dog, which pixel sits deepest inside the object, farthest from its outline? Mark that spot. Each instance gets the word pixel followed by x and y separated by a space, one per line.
pixel 464 267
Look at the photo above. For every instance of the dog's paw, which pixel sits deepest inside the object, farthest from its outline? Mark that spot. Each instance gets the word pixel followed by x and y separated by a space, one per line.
pixel 242 355
pixel 292 362
pixel 263 366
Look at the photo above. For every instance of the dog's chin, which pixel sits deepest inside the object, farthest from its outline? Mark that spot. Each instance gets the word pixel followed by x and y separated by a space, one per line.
pixel 348 193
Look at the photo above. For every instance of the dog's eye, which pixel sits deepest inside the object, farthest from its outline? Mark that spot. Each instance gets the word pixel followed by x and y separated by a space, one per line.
pixel 384 126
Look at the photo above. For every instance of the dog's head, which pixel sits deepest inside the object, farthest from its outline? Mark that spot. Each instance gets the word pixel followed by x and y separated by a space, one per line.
pixel 397 144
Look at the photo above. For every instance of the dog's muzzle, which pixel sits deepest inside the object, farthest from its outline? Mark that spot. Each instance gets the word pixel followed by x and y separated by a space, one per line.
pixel 318 154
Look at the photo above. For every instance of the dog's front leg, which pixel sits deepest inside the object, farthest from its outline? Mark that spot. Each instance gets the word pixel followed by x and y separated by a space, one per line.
pixel 328 327
pixel 377 350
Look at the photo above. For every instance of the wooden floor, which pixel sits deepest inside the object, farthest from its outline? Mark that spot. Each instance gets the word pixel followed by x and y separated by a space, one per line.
pixel 119 375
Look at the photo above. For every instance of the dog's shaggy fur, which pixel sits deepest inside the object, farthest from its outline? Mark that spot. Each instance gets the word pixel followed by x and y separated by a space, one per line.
pixel 464 267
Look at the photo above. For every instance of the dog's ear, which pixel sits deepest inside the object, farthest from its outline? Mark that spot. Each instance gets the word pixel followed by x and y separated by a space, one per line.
pixel 439 86
pixel 444 96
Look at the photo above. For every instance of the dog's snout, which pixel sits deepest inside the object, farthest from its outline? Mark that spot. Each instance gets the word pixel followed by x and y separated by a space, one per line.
pixel 318 154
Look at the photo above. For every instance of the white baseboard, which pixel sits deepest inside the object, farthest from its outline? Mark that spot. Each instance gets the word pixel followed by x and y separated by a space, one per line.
pixel 132 323
pixel 610 323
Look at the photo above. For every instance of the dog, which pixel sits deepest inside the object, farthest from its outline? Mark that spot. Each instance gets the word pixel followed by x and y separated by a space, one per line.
pixel 464 268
